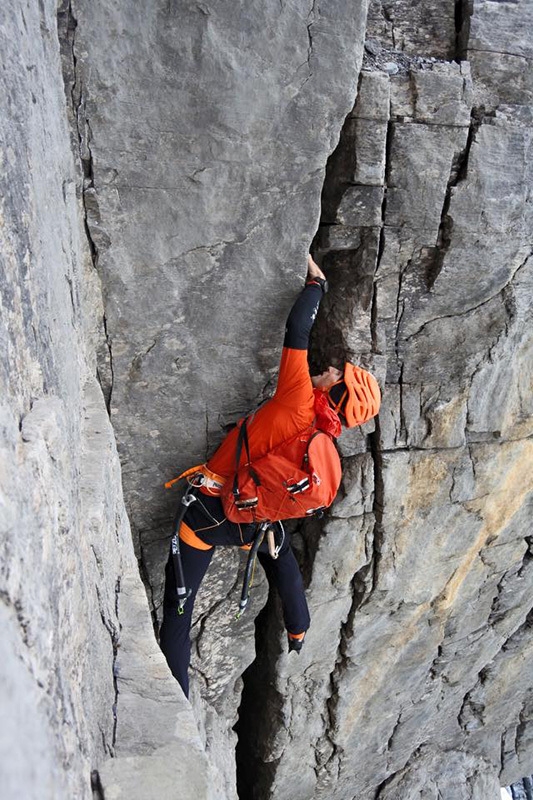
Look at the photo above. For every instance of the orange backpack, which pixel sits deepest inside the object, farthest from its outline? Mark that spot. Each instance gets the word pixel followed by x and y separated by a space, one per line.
pixel 298 478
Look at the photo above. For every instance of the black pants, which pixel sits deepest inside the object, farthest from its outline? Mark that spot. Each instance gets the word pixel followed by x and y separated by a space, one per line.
pixel 283 573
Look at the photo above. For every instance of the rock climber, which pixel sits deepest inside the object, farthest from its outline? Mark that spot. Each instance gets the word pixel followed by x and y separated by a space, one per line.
pixel 350 395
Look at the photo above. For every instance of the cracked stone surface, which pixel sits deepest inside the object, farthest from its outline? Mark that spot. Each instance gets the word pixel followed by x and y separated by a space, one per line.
pixel 206 201
pixel 427 206
pixel 85 692
pixel 164 264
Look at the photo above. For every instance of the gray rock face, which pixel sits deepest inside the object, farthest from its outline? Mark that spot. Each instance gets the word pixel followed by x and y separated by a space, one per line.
pixel 429 261
pixel 205 200
pixel 203 131
pixel 81 677
pixel 417 28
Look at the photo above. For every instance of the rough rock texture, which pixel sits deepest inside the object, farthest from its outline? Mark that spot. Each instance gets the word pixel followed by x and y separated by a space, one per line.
pixel 81 676
pixel 426 237
pixel 205 197
pixel 203 130
pixel 522 790
pixel 206 130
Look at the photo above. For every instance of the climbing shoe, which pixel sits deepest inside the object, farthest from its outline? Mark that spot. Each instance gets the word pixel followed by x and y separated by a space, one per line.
pixel 296 641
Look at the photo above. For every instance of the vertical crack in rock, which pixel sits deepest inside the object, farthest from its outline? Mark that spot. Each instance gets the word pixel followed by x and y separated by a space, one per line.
pixel 261 712
pixel 67 26
pixel 82 135
pixel 378 534
pixel 149 589
pixel 339 179
pixel 114 633
pixel 458 173
pixel 463 12
pixel 107 385
pixel 96 786
pixel 381 242
pixel 400 304
pixel 115 636
pixel 362 584
pixel 312 16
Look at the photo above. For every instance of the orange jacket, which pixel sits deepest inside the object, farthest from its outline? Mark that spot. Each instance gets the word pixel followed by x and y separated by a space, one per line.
pixel 290 410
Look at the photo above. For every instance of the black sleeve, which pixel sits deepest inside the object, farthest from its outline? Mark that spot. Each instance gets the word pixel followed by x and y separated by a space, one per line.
pixel 302 317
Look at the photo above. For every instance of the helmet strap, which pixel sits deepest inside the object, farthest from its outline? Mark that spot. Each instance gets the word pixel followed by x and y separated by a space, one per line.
pixel 337 406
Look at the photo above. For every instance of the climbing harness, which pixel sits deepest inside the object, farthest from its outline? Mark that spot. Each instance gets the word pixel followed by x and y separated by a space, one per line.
pixel 200 478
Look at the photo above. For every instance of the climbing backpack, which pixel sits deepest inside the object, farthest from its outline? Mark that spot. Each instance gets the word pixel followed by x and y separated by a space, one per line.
pixel 298 478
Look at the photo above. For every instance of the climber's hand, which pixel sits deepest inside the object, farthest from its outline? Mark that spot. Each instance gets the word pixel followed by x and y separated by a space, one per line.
pixel 313 270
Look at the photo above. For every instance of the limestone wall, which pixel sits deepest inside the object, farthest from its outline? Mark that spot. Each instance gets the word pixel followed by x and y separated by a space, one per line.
pixel 146 283
pixel 82 681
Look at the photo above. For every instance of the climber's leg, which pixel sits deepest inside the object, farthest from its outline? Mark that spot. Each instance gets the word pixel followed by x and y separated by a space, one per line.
pixel 175 631
pixel 285 574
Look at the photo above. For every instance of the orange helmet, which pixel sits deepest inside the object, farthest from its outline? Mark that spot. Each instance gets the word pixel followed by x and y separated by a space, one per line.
pixel 358 398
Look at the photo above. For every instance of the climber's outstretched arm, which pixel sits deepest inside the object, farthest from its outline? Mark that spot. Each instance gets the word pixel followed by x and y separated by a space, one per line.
pixel 304 311
pixel 294 381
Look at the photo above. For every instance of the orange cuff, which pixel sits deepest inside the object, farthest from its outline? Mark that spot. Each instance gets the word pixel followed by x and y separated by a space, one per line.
pixel 296 636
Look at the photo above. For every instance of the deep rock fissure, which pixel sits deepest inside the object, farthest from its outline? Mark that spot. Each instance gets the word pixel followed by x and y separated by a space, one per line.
pixel 260 710
pixel 67 26
pixel 107 386
pixel 362 584
pixel 378 535
pixel 253 730
pixel 143 570
pixel 358 588
pixel 312 13
pixel 96 786
pixel 66 30
pixel 463 12
pixel 67 23
pixel 114 635
pixel 81 133
pixel 458 174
